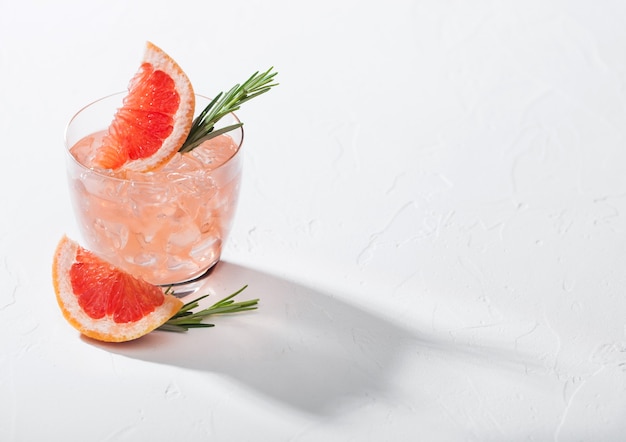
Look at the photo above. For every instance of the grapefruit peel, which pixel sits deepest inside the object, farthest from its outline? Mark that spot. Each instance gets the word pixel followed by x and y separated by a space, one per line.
pixel 105 328
pixel 155 117
pixel 170 315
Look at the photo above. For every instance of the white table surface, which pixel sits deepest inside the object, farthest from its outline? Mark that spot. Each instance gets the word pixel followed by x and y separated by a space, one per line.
pixel 432 215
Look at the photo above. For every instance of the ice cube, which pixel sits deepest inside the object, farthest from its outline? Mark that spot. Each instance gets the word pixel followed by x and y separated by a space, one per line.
pixel 147 234
pixel 207 250
pixel 175 263
pixel 148 193
pixel 184 236
pixel 214 152
pixel 182 164
pixel 115 233
pixel 103 187
pixel 145 259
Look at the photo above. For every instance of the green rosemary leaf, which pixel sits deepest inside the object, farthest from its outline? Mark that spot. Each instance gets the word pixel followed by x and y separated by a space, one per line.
pixel 185 318
pixel 212 134
pixel 225 103
pixel 172 328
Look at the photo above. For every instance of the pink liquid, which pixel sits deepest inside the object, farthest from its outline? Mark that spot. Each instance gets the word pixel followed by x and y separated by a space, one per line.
pixel 166 226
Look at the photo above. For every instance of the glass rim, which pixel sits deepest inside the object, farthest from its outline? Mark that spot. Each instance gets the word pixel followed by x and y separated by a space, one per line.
pixel 183 175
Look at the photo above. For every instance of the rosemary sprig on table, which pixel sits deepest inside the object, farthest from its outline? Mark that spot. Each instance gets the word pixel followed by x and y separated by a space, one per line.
pixel 186 319
pixel 225 103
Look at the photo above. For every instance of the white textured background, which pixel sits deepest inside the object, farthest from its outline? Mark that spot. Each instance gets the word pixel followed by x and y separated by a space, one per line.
pixel 432 215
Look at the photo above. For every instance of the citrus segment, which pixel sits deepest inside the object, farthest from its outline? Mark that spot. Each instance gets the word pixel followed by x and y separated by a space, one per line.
pixel 102 301
pixel 155 117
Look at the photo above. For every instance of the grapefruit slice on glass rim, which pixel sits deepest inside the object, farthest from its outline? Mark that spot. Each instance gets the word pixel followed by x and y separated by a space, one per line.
pixel 155 117
pixel 102 301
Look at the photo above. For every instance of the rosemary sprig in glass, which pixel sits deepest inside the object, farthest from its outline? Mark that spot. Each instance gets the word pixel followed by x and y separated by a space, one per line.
pixel 225 103
pixel 186 319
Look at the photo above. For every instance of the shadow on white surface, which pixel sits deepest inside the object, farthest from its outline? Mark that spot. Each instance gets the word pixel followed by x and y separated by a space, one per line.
pixel 301 347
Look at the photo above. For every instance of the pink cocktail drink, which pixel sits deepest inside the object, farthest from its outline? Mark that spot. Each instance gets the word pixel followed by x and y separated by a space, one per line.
pixel 167 226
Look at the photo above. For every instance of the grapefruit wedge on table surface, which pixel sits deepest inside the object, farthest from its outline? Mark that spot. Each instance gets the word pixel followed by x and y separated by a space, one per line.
pixel 155 117
pixel 104 302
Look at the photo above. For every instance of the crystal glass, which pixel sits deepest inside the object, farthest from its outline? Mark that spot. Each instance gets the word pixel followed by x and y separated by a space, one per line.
pixel 167 226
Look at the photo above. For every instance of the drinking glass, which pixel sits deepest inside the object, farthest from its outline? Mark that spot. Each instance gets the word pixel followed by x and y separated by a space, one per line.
pixel 166 226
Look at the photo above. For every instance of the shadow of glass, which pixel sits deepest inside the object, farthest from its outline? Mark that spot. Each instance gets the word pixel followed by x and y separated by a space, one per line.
pixel 301 347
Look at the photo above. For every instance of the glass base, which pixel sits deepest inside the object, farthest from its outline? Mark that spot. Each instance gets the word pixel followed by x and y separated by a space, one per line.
pixel 189 287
